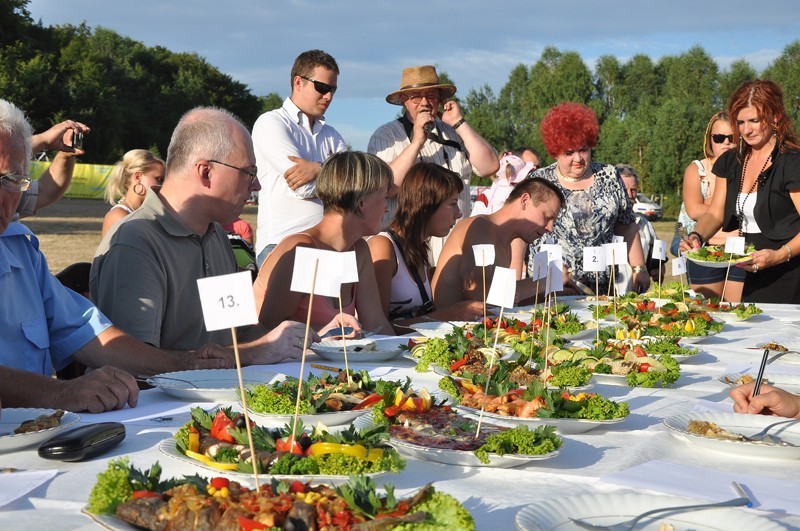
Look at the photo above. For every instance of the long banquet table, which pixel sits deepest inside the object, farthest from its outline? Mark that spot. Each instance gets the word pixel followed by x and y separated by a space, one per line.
pixel 494 496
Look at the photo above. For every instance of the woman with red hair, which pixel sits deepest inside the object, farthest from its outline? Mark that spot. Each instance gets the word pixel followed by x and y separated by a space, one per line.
pixel 758 193
pixel 597 206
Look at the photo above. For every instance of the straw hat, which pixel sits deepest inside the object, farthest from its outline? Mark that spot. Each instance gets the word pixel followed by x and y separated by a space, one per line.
pixel 420 77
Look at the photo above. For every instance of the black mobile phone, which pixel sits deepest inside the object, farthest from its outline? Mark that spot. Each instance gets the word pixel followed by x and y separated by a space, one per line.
pixel 84 442
pixel 77 140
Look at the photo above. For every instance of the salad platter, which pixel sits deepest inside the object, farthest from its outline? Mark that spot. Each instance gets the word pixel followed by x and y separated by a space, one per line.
pixel 714 256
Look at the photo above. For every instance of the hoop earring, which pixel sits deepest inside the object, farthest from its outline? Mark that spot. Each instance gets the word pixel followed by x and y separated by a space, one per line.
pixel 140 190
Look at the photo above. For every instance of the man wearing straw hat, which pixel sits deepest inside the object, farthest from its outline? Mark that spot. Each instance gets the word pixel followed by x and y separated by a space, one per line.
pixel 421 134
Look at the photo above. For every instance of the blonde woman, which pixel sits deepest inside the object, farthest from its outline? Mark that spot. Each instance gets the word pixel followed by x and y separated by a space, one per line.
pixel 128 183
pixel 698 189
pixel 352 187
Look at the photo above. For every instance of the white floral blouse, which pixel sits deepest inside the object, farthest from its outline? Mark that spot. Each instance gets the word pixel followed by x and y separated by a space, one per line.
pixel 587 219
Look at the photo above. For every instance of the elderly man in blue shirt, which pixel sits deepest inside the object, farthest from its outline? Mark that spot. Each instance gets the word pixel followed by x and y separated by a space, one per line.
pixel 44 326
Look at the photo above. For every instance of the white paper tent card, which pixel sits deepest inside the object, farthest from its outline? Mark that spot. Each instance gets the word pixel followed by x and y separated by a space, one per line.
pixel 555 276
pixel 660 250
pixel 333 269
pixel 539 265
pixel 484 254
pixel 734 245
pixel 616 253
pixel 594 259
pixel 553 250
pixel 503 288
pixel 679 266
pixel 227 301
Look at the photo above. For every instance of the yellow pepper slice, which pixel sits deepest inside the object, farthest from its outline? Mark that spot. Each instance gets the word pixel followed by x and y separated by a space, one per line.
pixel 210 462
pixel 194 442
pixel 355 450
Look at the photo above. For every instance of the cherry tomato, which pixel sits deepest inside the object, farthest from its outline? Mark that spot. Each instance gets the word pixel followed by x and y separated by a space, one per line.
pixel 219 483
pixel 297 486
pixel 644 367
pixel 412 343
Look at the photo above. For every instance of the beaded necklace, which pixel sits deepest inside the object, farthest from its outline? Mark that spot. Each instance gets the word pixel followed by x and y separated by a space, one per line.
pixel 574 179
pixel 741 199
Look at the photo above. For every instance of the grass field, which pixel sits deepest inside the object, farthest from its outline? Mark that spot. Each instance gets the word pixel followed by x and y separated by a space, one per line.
pixel 69 231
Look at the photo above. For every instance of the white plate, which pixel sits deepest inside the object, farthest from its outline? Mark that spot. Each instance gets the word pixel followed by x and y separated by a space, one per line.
pixel 563 426
pixel 463 457
pixel 719 265
pixel 337 418
pixel 738 423
pixel 374 352
pixel 787 382
pixel 11 419
pixel 607 509
pixel 610 379
pixel 694 339
pixel 167 447
pixel 438 328
pixel 209 385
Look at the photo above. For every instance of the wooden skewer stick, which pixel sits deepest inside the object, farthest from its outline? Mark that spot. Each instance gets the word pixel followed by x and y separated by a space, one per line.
pixel 253 457
pixel 303 357
pixel 344 342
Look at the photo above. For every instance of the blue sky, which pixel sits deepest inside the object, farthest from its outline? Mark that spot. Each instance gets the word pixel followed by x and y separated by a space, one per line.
pixel 475 41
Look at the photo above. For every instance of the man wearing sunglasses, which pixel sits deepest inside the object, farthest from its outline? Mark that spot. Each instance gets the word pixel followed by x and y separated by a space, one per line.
pixel 422 134
pixel 144 274
pixel 291 143
pixel 45 326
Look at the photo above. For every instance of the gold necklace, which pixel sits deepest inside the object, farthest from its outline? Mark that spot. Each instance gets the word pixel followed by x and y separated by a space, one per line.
pixel 573 179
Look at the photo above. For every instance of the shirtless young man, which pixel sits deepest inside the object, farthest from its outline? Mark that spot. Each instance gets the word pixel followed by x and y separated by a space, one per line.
pixel 529 212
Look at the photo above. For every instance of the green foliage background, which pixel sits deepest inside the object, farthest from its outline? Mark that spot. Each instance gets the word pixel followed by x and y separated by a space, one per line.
pixel 652 114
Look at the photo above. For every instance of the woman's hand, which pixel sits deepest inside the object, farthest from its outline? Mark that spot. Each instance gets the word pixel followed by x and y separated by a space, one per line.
pixel 690 243
pixel 763 259
pixel 641 281
pixel 344 320
pixel 770 401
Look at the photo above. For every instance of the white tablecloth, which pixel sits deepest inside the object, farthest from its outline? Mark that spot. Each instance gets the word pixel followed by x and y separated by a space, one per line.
pixel 493 496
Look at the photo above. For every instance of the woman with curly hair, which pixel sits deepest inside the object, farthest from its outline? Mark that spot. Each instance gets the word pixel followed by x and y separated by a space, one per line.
pixel 758 193
pixel 427 207
pixel 597 206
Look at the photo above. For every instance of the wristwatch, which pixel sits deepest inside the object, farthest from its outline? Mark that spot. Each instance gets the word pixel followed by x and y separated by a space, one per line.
pixel 637 269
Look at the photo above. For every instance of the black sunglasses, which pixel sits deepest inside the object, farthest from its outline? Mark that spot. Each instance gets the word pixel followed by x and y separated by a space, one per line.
pixel 319 86
pixel 719 139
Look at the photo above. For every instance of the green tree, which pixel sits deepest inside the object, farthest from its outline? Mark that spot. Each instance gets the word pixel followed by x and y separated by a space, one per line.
pixel 270 102
pixel 785 71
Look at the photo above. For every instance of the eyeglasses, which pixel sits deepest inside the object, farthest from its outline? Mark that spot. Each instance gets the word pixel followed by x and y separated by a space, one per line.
pixel 417 97
pixel 250 172
pixel 12 182
pixel 319 86
pixel 720 139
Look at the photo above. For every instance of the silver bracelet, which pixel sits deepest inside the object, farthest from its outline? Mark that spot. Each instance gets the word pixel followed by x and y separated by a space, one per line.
pixel 788 250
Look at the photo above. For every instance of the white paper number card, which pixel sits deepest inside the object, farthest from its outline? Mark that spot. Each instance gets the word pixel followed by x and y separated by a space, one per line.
pixel 734 245
pixel 679 266
pixel 503 288
pixel 484 254
pixel 660 250
pixel 330 275
pixel 594 259
pixel 227 301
